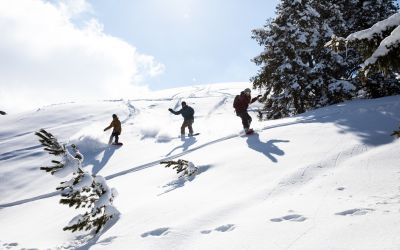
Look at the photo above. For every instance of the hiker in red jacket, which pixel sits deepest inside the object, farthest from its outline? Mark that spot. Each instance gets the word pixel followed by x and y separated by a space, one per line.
pixel 241 103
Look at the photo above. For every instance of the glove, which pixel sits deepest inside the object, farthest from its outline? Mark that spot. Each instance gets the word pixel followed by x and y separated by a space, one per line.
pixel 170 110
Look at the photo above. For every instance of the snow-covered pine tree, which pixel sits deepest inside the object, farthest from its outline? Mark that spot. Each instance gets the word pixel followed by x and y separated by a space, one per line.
pixel 93 193
pixel 83 190
pixel 330 66
pixel 183 167
pixel 297 72
pixel 361 15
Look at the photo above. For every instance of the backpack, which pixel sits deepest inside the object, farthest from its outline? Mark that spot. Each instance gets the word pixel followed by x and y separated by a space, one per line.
pixel 236 102
pixel 191 110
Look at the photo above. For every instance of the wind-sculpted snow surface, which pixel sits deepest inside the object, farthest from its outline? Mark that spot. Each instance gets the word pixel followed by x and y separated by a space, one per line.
pixel 326 179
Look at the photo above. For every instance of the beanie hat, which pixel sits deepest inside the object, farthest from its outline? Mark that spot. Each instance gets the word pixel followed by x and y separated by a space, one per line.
pixel 247 90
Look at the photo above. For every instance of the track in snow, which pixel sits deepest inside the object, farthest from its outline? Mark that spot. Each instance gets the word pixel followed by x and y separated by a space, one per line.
pixel 157 162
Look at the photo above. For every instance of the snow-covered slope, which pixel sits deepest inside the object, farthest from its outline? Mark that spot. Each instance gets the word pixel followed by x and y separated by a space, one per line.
pixel 327 179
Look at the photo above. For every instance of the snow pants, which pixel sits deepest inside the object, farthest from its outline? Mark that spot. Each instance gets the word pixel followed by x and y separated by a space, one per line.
pixel 187 123
pixel 246 119
pixel 114 135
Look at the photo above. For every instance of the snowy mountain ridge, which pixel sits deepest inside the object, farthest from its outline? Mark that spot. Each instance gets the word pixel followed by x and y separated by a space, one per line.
pixel 326 179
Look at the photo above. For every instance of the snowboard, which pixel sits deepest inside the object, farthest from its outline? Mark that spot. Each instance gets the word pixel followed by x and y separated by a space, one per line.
pixel 248 133
pixel 188 136
pixel 195 134
pixel 117 144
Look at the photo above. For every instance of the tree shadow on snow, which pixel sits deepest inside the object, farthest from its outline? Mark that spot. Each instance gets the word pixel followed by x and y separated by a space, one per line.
pixel 180 182
pixel 187 142
pixel 269 149
pixel 90 239
pixel 371 120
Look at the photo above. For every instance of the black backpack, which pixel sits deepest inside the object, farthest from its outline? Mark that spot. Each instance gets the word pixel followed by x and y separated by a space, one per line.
pixel 191 110
pixel 236 102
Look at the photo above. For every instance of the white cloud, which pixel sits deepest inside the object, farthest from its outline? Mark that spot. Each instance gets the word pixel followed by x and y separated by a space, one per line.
pixel 72 8
pixel 45 58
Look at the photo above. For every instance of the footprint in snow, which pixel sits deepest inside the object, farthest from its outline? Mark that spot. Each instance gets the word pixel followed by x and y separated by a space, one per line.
pixel 157 232
pixel 290 217
pixel 223 228
pixel 355 211
pixel 10 245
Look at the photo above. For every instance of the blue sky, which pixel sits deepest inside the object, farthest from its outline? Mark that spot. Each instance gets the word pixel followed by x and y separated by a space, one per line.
pixel 198 41
pixel 74 50
pixel 56 51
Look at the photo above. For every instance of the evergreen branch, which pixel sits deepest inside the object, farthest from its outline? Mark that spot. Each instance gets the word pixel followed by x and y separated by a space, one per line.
pixel 180 166
pixel 53 169
pixel 50 142
pixel 396 133
pixel 82 224
pixel 100 221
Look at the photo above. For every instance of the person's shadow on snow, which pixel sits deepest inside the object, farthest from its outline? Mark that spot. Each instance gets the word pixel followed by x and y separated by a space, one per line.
pixel 187 142
pixel 98 165
pixel 269 149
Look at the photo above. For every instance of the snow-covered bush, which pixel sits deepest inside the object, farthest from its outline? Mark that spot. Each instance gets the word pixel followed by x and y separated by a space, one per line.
pixel 183 167
pixel 83 190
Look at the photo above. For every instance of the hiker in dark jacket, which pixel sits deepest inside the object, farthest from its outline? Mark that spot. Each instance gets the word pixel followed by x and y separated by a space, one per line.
pixel 187 112
pixel 241 106
pixel 116 125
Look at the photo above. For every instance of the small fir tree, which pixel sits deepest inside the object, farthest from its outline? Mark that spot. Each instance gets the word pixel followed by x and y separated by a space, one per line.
pixel 182 167
pixel 83 190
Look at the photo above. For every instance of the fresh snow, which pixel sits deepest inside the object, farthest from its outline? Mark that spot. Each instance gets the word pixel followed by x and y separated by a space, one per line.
pixel 326 179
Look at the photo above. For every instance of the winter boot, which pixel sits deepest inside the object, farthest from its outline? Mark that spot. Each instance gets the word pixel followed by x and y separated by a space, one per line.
pixel 249 131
